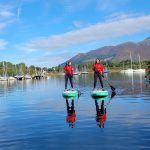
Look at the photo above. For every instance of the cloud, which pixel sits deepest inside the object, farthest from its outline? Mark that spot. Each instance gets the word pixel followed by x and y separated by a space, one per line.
pixel 48 60
pixel 3 43
pixel 78 24
pixel 2 25
pixel 7 16
pixel 122 15
pixel 108 5
pixel 93 33
pixel 6 13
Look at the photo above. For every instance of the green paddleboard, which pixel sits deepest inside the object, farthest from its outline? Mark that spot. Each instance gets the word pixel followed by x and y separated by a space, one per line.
pixel 147 80
pixel 99 93
pixel 70 93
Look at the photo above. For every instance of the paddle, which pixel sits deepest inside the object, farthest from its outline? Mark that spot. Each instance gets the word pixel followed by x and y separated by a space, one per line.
pixel 112 87
pixel 79 92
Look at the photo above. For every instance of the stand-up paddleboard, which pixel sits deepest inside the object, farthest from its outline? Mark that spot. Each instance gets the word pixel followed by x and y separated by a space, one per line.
pixel 100 98
pixel 146 80
pixel 70 93
pixel 99 93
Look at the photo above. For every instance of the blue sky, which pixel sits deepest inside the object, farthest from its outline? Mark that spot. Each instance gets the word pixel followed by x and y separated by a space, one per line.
pixel 48 32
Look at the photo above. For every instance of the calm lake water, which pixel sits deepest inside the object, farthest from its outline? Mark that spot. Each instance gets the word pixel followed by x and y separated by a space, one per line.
pixel 33 115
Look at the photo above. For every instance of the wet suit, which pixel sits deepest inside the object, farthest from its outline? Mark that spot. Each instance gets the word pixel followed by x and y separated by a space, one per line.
pixel 71 114
pixel 101 114
pixel 69 70
pixel 98 69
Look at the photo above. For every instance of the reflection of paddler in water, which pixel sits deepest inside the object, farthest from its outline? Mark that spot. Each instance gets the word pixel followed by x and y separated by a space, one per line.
pixel 101 110
pixel 71 114
pixel 100 113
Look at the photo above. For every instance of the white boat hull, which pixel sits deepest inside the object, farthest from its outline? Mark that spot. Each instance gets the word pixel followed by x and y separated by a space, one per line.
pixel 3 79
pixel 139 70
pixel 127 71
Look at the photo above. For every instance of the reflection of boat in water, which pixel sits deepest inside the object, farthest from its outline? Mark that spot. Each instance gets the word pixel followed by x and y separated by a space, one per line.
pixel 71 113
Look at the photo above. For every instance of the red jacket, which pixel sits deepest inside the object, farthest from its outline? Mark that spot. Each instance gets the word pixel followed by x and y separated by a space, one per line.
pixel 71 118
pixel 101 118
pixel 69 69
pixel 148 69
pixel 98 67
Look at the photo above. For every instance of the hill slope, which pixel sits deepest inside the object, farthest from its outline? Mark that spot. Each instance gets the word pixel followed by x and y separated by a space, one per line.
pixel 116 53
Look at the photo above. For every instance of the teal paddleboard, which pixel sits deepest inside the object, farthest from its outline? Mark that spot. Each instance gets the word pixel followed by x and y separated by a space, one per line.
pixel 147 80
pixel 99 93
pixel 70 93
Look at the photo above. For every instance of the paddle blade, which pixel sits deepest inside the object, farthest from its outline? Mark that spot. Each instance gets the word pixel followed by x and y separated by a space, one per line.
pixel 112 88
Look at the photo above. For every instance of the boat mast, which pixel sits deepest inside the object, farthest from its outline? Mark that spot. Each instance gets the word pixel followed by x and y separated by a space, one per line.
pixel 3 68
pixel 139 62
pixel 131 60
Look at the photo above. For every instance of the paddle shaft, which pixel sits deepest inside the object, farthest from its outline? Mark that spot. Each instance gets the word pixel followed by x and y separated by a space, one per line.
pixel 112 87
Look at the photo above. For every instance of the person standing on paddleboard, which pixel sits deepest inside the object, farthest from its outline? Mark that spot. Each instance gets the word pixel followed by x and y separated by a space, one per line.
pixel 69 70
pixel 148 73
pixel 98 69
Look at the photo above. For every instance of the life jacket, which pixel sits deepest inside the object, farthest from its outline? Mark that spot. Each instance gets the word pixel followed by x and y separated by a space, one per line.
pixel 71 117
pixel 101 118
pixel 69 69
pixel 98 67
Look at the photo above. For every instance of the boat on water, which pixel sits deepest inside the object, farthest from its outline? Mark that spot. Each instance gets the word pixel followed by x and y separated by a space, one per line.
pixel 11 78
pixel 3 78
pixel 127 71
pixel 76 73
pixel 19 77
pixel 130 70
pixel 140 70
pixel 84 72
pixel 106 71
pixel 27 77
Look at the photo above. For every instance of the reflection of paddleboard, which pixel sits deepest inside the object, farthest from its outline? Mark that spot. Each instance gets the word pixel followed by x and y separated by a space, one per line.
pixel 70 93
pixel 99 93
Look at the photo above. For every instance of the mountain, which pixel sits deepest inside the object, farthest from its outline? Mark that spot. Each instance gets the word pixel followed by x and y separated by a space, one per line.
pixel 116 53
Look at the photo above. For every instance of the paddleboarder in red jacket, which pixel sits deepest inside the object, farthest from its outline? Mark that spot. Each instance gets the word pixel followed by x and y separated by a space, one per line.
pixel 69 71
pixel 100 114
pixel 148 74
pixel 98 69
pixel 71 114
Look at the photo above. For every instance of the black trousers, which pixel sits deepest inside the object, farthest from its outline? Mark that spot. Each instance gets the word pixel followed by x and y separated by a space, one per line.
pixel 97 75
pixel 101 110
pixel 70 109
pixel 70 77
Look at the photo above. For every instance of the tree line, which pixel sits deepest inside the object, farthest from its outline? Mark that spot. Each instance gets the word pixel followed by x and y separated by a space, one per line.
pixel 22 69
pixel 10 69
